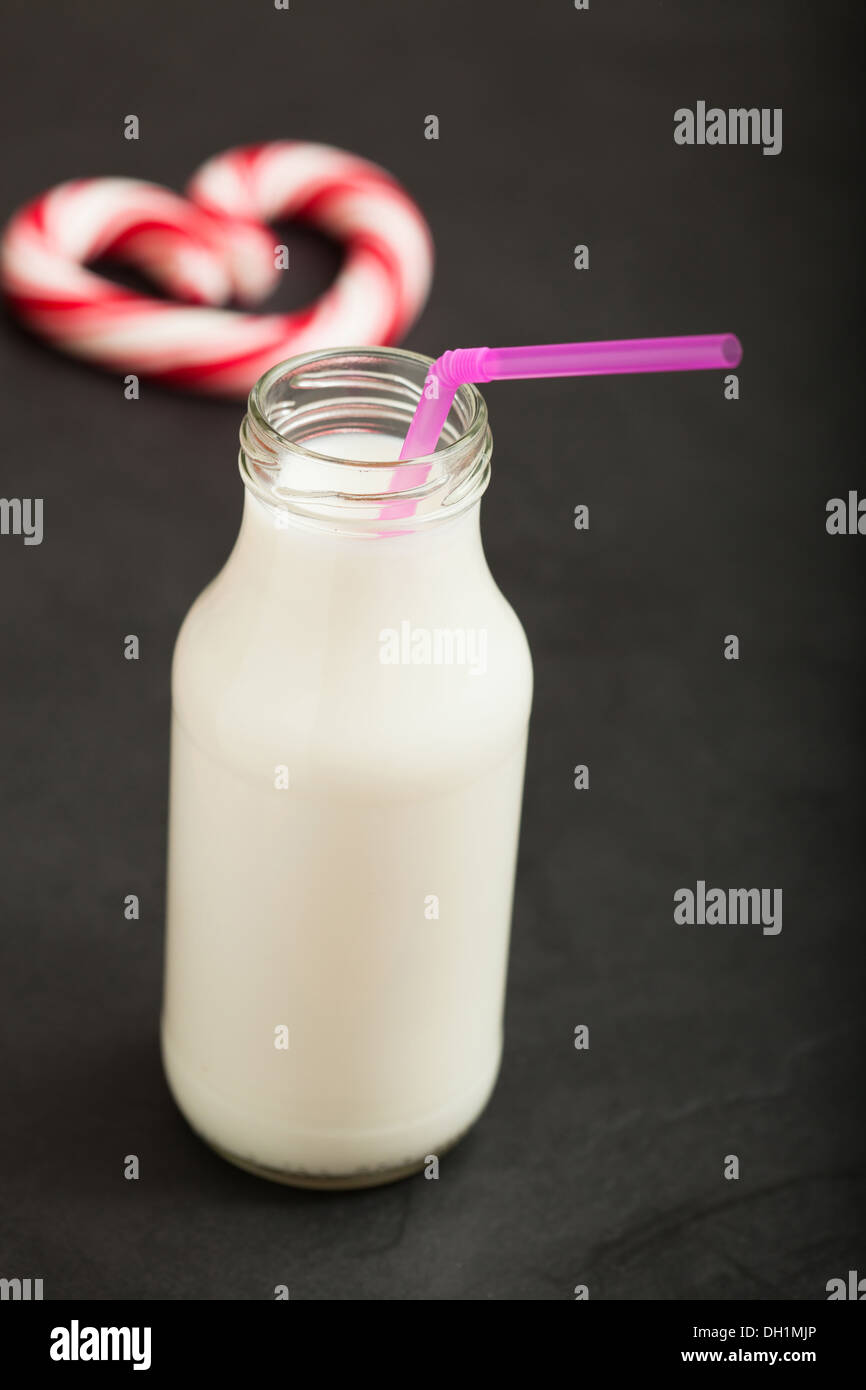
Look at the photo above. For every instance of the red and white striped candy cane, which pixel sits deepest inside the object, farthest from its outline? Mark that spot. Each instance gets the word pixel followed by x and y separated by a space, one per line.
pixel 212 246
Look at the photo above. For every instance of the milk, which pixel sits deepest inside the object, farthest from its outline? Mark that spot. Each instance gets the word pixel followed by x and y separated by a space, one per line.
pixel 344 819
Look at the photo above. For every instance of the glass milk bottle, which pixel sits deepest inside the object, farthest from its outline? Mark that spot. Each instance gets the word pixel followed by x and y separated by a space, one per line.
pixel 350 706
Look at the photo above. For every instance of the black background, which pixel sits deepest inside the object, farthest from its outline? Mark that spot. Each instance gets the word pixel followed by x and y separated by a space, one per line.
pixel 707 517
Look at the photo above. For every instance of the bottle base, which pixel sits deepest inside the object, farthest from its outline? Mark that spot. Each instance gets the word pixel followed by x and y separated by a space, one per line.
pixel 356 1159
pixel 378 1177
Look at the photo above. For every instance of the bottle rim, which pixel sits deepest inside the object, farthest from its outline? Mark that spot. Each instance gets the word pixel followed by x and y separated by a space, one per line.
pixel 366 388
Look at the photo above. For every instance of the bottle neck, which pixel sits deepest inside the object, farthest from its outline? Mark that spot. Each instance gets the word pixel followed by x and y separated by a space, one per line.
pixel 432 567
pixel 322 436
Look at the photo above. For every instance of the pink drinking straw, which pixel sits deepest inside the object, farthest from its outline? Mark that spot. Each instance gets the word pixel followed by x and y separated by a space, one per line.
pixel 453 369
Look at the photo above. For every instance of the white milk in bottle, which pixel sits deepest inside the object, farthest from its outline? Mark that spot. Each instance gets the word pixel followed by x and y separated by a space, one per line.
pixel 350 705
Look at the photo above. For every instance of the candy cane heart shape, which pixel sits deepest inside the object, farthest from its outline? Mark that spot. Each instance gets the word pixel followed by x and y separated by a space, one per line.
pixel 212 247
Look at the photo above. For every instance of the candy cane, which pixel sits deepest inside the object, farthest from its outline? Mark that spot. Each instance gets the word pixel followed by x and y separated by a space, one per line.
pixel 212 246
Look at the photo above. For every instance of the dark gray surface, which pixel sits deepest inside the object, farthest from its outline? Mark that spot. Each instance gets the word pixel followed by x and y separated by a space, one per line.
pixel 707 518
